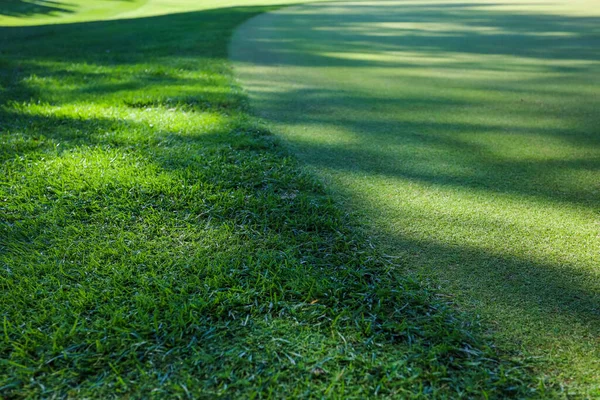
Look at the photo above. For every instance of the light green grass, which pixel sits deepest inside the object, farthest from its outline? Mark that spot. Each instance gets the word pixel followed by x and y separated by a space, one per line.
pixel 155 240
pixel 41 12
pixel 467 134
pixel 38 12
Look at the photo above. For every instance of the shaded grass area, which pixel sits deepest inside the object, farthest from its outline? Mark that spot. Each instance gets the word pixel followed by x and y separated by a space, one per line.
pixel 20 8
pixel 38 12
pixel 156 241
pixel 43 12
pixel 467 136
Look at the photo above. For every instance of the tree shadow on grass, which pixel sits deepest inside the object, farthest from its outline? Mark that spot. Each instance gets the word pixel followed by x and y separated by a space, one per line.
pixel 482 167
pixel 239 188
pixel 29 8
pixel 26 8
pixel 472 98
pixel 441 28
pixel 155 237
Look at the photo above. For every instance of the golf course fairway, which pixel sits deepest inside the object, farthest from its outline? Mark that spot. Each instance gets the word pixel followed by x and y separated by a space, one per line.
pixel 465 137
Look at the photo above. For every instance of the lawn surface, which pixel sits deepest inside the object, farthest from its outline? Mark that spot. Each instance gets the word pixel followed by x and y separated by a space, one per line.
pixel 41 12
pixel 467 135
pixel 156 241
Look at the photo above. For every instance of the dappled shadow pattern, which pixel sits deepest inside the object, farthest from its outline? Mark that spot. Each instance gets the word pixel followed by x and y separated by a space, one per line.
pixel 470 102
pixel 21 8
pixel 197 252
pixel 29 8
pixel 440 30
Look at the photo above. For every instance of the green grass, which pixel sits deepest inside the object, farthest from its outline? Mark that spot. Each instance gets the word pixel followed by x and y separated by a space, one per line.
pixel 42 12
pixel 156 241
pixel 38 12
pixel 467 136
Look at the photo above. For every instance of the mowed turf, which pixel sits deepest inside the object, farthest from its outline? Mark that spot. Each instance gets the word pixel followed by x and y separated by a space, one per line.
pixel 42 12
pixel 467 134
pixel 156 241
pixel 38 12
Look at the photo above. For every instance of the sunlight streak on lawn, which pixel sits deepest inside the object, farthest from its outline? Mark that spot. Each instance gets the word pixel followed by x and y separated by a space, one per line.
pixel 466 135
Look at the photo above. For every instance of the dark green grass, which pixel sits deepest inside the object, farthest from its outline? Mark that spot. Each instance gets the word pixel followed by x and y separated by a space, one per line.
pixel 22 8
pixel 467 136
pixel 156 242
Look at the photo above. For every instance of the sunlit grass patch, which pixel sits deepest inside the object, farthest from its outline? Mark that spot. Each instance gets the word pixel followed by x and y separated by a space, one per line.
pixel 466 135
pixel 156 240
pixel 37 12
